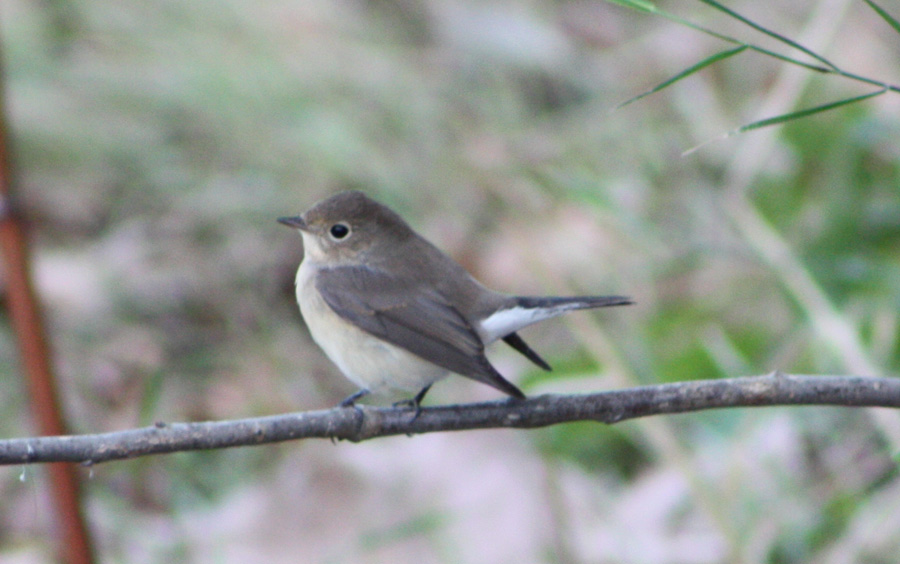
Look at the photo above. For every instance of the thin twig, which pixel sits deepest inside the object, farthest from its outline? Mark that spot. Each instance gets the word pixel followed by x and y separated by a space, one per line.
pixel 362 422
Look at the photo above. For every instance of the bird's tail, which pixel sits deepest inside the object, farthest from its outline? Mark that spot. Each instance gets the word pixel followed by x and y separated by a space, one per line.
pixel 564 304
pixel 522 311
pixel 525 310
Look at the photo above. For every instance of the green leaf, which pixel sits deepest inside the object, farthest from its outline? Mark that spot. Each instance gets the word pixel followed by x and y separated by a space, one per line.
pixel 884 15
pixel 687 72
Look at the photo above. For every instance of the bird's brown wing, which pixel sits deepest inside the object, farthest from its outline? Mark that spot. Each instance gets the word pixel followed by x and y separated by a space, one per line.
pixel 410 315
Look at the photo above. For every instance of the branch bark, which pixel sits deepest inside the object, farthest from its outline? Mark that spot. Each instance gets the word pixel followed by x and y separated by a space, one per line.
pixel 364 422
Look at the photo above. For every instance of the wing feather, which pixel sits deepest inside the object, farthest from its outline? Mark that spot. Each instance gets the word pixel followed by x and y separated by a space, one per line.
pixel 410 315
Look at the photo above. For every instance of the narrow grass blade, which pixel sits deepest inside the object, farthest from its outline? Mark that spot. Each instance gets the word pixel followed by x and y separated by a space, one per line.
pixel 650 8
pixel 807 112
pixel 639 5
pixel 884 15
pixel 793 61
pixel 646 6
pixel 687 72
pixel 788 117
pixel 770 33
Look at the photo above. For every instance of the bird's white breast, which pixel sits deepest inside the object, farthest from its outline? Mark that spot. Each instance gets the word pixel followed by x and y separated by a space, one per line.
pixel 367 361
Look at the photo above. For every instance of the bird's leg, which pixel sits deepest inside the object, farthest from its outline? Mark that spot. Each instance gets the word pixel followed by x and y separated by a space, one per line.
pixel 350 401
pixel 415 402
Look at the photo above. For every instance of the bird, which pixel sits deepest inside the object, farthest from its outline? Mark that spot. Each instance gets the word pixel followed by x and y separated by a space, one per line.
pixel 395 313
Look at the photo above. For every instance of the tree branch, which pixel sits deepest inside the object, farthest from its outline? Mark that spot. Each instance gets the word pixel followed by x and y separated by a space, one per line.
pixel 363 422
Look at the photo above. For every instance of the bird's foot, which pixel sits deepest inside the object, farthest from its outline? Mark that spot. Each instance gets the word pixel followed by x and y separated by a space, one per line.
pixel 414 403
pixel 350 401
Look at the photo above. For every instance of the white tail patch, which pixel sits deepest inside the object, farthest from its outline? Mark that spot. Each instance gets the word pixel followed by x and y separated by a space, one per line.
pixel 505 321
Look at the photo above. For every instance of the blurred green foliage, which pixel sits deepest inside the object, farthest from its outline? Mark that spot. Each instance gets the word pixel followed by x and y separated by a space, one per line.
pixel 608 450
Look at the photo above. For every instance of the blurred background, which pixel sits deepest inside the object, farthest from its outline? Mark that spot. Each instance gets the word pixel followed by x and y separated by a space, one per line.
pixel 156 143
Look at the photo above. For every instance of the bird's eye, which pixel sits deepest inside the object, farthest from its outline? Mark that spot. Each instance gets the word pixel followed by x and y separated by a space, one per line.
pixel 339 231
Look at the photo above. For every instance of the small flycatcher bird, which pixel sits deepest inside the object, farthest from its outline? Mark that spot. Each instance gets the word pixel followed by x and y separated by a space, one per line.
pixel 393 312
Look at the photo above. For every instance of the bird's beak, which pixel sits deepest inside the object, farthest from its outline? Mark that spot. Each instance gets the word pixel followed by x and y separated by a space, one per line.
pixel 296 222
